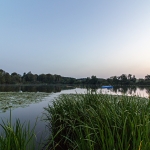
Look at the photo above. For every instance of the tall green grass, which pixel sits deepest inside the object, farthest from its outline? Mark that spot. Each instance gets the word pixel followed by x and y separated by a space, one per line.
pixel 99 122
pixel 18 136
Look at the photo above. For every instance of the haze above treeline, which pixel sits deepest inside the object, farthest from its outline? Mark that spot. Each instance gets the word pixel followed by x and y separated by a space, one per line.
pixel 29 78
pixel 75 38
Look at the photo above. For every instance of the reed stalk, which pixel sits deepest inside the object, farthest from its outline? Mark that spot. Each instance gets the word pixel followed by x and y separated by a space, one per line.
pixel 17 137
pixel 96 121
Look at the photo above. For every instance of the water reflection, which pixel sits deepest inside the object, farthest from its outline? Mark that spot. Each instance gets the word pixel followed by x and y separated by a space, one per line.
pixel 22 96
pixel 125 90
pixel 47 89
pixel 38 97
pixel 148 91
pixel 57 89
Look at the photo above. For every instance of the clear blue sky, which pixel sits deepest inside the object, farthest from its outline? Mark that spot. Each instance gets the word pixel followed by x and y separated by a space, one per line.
pixel 76 38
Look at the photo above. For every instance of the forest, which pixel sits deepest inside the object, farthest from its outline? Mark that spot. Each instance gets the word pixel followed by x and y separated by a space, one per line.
pixel 29 78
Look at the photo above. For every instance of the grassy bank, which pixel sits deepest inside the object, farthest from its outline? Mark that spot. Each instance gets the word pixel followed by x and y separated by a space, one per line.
pixel 99 122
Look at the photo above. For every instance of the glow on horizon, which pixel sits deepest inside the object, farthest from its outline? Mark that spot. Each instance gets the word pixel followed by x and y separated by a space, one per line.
pixel 75 38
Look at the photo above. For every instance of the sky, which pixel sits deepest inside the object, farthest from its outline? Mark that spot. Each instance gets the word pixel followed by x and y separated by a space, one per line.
pixel 75 38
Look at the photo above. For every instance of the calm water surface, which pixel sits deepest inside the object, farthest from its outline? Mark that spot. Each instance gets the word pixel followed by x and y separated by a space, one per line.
pixel 28 102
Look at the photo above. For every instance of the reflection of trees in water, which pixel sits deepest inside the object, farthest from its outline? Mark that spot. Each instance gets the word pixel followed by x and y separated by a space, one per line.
pixel 115 89
pixel 58 88
pixel 132 90
pixel 88 86
pixel 125 89
pixel 141 87
pixel 91 88
pixel 10 88
pixel 148 91
pixel 48 89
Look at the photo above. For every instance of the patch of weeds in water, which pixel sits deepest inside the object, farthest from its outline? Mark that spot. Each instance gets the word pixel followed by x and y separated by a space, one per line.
pixel 17 99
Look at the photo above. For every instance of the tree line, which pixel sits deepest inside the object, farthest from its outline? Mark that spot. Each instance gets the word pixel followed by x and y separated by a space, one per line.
pixel 128 80
pixel 29 78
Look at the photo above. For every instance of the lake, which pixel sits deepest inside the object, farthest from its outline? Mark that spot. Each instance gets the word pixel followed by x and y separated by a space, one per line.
pixel 27 102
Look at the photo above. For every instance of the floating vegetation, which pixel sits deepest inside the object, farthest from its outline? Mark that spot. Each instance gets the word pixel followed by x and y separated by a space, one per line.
pixel 19 99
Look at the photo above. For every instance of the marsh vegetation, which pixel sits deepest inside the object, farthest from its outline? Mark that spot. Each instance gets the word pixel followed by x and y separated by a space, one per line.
pixel 99 122
pixel 19 99
pixel 90 120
